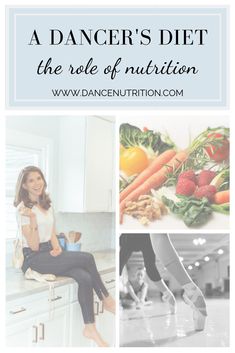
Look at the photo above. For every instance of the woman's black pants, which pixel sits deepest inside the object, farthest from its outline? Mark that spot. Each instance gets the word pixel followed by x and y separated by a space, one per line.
pixel 78 265
pixel 130 243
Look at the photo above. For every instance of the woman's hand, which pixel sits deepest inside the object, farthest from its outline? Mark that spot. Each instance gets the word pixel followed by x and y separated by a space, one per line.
pixel 56 251
pixel 26 211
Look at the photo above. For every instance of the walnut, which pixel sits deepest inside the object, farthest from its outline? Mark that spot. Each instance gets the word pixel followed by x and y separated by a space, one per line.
pixel 144 221
pixel 146 209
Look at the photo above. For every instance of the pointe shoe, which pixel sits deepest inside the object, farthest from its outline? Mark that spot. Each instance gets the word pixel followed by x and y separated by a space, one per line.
pixel 199 320
pixel 195 299
pixel 147 303
pixel 31 274
pixel 139 306
pixel 169 298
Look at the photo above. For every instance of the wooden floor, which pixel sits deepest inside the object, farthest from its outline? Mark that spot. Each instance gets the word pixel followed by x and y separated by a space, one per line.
pixel 154 326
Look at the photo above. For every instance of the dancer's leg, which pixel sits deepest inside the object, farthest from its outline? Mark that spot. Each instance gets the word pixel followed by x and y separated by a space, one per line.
pixel 165 250
pixel 127 303
pixel 153 273
pixel 125 252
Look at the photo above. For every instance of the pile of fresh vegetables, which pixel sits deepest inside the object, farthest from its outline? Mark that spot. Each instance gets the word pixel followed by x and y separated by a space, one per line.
pixel 149 161
pixel 138 148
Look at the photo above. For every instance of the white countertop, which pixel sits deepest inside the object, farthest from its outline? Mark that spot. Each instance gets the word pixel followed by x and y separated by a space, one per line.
pixel 17 286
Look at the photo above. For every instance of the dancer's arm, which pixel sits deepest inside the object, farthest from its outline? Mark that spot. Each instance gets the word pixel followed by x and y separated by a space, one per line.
pixel 143 293
pixel 132 292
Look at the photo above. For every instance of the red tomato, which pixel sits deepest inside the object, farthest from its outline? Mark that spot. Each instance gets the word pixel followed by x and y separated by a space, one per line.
pixel 145 129
pixel 219 152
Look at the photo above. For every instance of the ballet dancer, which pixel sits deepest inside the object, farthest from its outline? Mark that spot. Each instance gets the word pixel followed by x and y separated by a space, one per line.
pixel 130 243
pixel 137 290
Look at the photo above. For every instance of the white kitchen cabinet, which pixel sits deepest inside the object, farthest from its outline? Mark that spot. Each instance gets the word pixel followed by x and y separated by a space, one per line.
pixel 22 334
pixel 33 321
pixel 53 331
pixel 86 165
pixel 41 332
pixel 99 165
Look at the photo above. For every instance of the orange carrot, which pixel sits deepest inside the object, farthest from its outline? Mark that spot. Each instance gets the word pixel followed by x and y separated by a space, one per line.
pixel 222 197
pixel 155 180
pixel 154 167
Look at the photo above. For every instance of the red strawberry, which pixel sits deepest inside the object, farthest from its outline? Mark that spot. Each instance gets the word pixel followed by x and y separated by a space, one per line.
pixel 185 187
pixel 205 177
pixel 207 191
pixel 188 174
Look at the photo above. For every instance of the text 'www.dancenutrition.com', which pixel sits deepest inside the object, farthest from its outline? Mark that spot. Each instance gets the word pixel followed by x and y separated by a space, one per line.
pixel 117 92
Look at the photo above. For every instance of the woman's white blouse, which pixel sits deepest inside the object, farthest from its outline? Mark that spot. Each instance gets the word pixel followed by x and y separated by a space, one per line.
pixel 45 222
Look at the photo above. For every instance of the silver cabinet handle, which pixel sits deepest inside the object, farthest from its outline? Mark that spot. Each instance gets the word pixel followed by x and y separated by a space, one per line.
pixel 56 298
pixel 96 308
pixel 35 331
pixel 42 334
pixel 17 311
pixel 102 308
pixel 110 281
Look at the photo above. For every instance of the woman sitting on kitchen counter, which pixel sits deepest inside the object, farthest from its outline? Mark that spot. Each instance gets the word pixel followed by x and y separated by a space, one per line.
pixel 42 252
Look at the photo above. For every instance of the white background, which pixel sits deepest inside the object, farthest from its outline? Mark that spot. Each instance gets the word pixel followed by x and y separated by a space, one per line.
pixel 217 112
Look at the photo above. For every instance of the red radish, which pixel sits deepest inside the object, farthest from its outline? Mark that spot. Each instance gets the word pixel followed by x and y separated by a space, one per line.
pixel 188 174
pixel 185 187
pixel 205 177
pixel 207 191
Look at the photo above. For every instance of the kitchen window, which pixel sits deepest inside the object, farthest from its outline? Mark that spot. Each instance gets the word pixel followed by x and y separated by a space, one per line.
pixel 16 159
pixel 21 150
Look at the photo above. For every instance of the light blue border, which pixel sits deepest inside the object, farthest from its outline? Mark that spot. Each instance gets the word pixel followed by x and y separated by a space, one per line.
pixel 13 101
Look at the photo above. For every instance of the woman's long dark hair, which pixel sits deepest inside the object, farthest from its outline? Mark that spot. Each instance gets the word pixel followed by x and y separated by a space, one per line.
pixel 22 195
